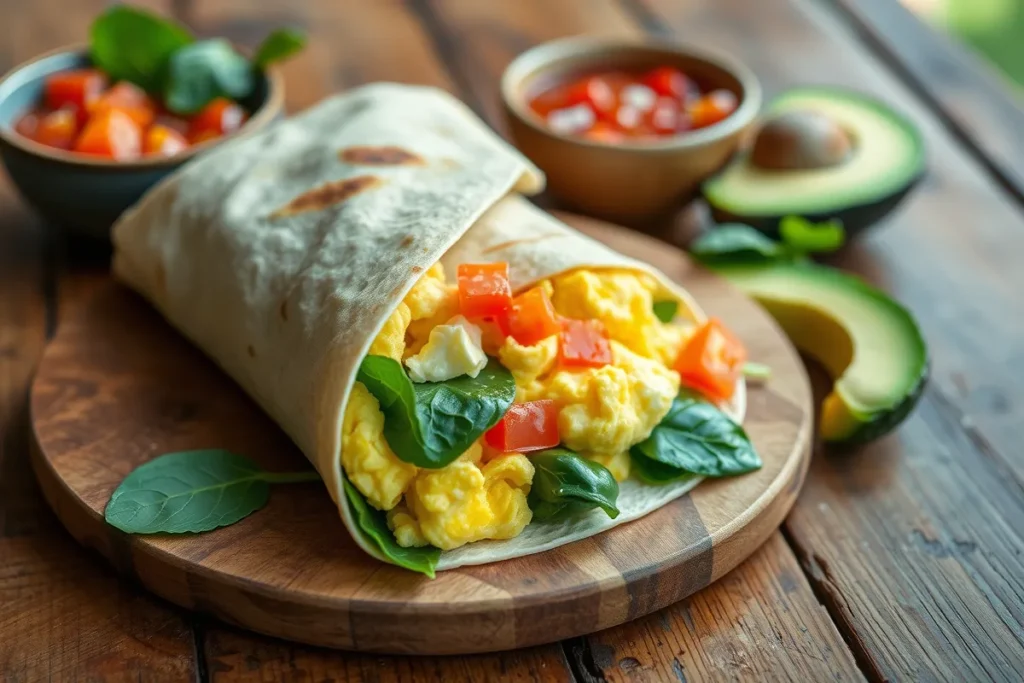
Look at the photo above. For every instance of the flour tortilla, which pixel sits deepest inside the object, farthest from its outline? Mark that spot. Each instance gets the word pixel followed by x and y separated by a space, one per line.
pixel 282 254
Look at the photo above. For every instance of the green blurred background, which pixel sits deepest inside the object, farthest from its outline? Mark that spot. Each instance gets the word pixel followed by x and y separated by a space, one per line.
pixel 992 28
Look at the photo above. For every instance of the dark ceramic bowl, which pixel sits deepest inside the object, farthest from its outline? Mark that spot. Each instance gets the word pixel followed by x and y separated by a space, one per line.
pixel 82 193
pixel 630 182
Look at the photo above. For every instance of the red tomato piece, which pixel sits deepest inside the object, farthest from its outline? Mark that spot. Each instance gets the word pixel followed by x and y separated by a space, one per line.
pixel 530 426
pixel 78 88
pixel 583 344
pixel 712 108
pixel 27 125
pixel 602 131
pixel 130 99
pixel 163 141
pixel 113 134
pixel 532 317
pixel 669 82
pixel 664 118
pixel 484 289
pixel 220 117
pixel 712 360
pixel 57 129
pixel 175 123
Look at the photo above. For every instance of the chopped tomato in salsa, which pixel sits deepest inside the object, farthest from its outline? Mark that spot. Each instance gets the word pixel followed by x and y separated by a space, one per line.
pixel 616 106
pixel 82 112
pixel 530 426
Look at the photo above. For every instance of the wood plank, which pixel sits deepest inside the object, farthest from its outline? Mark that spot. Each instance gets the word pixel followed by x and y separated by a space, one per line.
pixel 980 107
pixel 913 542
pixel 760 622
pixel 241 657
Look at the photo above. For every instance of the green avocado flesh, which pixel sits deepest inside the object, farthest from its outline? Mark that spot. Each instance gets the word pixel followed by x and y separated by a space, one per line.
pixel 869 344
pixel 887 157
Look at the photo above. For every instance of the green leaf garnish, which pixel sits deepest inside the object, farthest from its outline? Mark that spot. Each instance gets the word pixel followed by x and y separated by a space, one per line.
pixel 696 437
pixel 430 424
pixel 805 237
pixel 735 243
pixel 279 45
pixel 565 485
pixel 135 45
pixel 665 311
pixel 193 491
pixel 200 72
pixel 757 371
pixel 374 525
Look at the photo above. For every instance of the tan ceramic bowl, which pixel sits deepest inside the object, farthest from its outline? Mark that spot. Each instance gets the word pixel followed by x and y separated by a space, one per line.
pixel 632 182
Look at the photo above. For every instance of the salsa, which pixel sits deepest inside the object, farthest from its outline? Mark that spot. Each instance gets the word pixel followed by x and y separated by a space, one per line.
pixel 618 105
pixel 82 111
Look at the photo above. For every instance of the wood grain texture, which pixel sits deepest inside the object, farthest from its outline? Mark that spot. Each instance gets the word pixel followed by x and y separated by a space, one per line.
pixel 913 542
pixel 117 386
pixel 978 104
pixel 732 632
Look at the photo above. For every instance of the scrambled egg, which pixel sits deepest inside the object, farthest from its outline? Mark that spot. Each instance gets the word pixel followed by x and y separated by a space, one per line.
pixel 603 411
pixel 624 302
pixel 452 350
pixel 465 502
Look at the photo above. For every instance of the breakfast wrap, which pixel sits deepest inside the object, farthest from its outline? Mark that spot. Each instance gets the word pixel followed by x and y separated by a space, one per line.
pixel 473 379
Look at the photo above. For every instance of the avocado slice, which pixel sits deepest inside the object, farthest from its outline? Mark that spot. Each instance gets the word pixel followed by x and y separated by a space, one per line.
pixel 869 344
pixel 885 160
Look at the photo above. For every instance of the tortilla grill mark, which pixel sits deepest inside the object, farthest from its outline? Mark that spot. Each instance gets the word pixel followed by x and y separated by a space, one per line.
pixel 406 241
pixel 388 155
pixel 417 269
pixel 328 194
pixel 512 243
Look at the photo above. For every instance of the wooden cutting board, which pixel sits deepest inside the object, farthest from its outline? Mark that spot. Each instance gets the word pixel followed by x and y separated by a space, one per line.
pixel 118 386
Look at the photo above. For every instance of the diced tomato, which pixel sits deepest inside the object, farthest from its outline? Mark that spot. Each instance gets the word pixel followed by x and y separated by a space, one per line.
pixel 530 426
pixel 221 116
pixel 163 141
pixel 57 129
pixel 669 82
pixel 27 125
pixel 532 317
pixel 111 134
pixel 78 88
pixel 583 344
pixel 712 108
pixel 484 289
pixel 593 91
pixel 712 360
pixel 175 123
pixel 130 99
pixel 602 131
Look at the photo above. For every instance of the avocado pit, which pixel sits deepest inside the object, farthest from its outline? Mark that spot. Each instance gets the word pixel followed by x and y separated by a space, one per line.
pixel 801 139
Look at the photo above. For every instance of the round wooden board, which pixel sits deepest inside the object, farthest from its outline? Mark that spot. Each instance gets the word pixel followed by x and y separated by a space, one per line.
pixel 118 386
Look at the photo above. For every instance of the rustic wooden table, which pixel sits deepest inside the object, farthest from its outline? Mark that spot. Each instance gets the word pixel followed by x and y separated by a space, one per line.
pixel 903 561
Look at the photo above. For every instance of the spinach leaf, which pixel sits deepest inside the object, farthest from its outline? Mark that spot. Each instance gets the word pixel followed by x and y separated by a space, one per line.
pixel 803 236
pixel 565 485
pixel 735 243
pixel 279 45
pixel 135 45
pixel 192 491
pixel 374 525
pixel 653 472
pixel 665 311
pixel 430 424
pixel 200 72
pixel 697 437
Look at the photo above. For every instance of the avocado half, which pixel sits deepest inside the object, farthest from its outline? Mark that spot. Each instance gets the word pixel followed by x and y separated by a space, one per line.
pixel 885 161
pixel 870 345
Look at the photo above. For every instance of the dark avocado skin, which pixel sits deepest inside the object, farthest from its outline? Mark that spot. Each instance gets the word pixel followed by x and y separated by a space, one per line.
pixel 888 420
pixel 855 219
